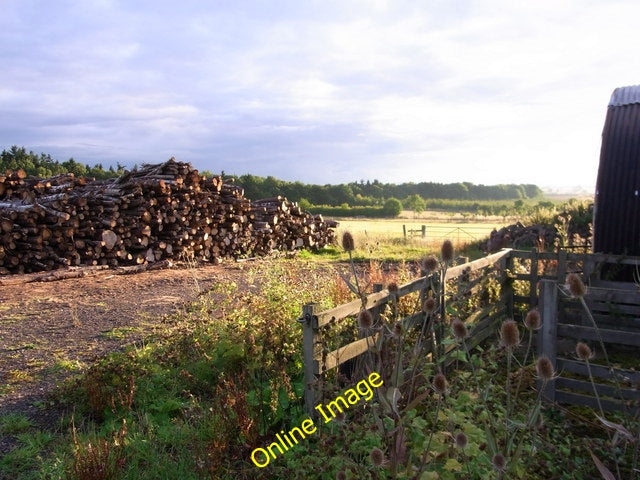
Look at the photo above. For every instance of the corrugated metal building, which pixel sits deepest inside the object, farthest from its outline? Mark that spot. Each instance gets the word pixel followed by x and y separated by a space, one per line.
pixel 616 226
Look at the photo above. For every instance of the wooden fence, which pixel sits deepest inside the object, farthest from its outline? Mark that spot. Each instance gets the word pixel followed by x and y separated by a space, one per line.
pixel 414 232
pixel 616 313
pixel 467 281
pixel 528 279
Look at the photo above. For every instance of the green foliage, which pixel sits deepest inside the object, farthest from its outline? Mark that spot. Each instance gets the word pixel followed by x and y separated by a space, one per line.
pixel 392 207
pixel 346 211
pixel 14 423
pixel 44 166
pixel 366 194
pixel 415 203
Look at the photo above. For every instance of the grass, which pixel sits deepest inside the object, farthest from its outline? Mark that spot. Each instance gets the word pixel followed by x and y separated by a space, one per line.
pixel 382 239
pixel 119 333
pixel 14 423
pixel 66 365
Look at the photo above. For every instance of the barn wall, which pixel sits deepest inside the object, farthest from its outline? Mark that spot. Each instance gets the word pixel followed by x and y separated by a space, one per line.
pixel 617 200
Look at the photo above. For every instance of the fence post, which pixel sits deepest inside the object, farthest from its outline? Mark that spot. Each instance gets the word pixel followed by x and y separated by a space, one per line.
pixel 310 347
pixel 547 336
pixel 424 231
pixel 562 266
pixel 506 263
pixel 533 279
pixel 404 231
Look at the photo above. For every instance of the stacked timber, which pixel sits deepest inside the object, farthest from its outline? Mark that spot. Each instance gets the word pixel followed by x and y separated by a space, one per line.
pixel 155 213
pixel 279 224
pixel 520 236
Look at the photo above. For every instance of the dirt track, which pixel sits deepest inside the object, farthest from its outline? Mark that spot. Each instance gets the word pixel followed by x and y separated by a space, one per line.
pixel 50 330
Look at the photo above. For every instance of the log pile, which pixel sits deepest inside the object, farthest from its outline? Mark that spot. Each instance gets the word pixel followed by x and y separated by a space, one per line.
pixel 519 236
pixel 148 215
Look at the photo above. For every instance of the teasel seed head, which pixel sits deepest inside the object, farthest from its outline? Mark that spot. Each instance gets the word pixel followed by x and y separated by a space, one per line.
pixel 347 242
pixel 365 319
pixel 544 368
pixel 397 330
pixel 430 264
pixel 459 329
pixel 376 456
pixel 429 305
pixel 532 321
pixel 509 334
pixel 439 383
pixel 461 440
pixel 447 251
pixel 584 351
pixel 499 462
pixel 575 286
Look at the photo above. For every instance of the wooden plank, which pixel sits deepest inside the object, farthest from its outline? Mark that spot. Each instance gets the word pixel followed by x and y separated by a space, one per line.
pixel 603 390
pixel 613 321
pixel 580 332
pixel 631 297
pixel 614 285
pixel 479 315
pixel 347 352
pixel 588 401
pixel 413 286
pixel 483 262
pixel 548 333
pixel 573 366
pixel 614 308
pixel 351 308
pixel 603 258
pixel 521 254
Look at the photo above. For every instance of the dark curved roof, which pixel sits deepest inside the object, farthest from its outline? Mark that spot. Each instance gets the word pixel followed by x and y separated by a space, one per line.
pixel 625 96
pixel 616 225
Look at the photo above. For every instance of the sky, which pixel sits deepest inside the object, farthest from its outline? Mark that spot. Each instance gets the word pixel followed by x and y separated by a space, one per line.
pixel 321 91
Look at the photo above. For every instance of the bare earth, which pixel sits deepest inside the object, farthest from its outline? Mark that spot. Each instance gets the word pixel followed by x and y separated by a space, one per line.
pixel 51 330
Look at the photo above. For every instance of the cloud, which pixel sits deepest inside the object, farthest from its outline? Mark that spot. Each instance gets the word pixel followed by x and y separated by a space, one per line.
pixel 482 91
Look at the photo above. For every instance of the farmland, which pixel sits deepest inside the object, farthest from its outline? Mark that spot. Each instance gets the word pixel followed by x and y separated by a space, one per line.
pixel 437 228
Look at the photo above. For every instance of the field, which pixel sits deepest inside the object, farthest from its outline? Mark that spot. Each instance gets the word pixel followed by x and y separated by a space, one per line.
pixel 183 373
pixel 437 229
pixel 385 239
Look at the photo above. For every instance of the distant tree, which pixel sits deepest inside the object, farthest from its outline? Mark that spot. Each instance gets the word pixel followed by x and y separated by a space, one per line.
pixel 392 207
pixel 304 204
pixel 415 203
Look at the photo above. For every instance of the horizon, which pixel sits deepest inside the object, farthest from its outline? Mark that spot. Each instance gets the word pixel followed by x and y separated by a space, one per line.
pixel 321 92
pixel 558 190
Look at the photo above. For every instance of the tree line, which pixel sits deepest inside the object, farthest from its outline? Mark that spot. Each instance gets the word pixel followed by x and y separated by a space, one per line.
pixel 375 193
pixel 43 165
pixel 355 194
